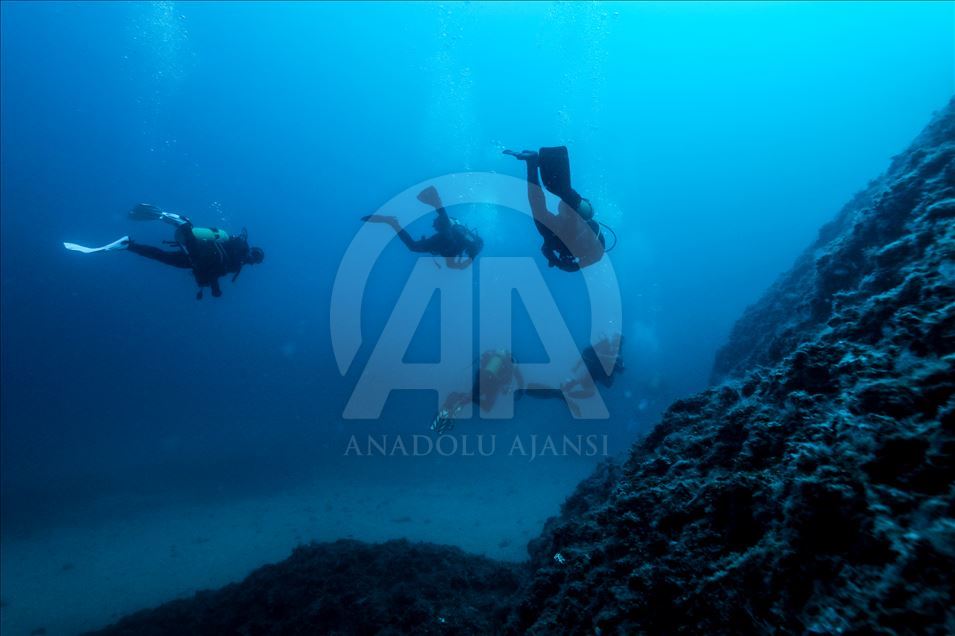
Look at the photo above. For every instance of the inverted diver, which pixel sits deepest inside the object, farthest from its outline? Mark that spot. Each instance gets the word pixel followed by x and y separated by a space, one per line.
pixel 208 251
pixel 591 368
pixel 572 238
pixel 457 243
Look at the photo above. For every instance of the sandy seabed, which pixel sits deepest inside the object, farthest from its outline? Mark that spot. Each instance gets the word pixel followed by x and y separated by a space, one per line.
pixel 71 578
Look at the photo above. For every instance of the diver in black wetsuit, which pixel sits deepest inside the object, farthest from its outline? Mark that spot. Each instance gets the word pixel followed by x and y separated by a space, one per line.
pixel 452 240
pixel 497 374
pixel 607 352
pixel 209 252
pixel 572 238
pixel 582 384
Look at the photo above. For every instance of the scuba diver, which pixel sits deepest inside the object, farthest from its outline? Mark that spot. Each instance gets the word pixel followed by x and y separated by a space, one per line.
pixel 582 383
pixel 572 238
pixel 457 243
pixel 497 374
pixel 208 251
pixel 596 359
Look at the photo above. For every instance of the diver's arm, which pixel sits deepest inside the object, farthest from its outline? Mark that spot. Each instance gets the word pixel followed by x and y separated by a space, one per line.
pixel 548 254
pixel 567 266
pixel 581 394
pixel 457 262
pixel 427 245
pixel 216 290
pixel 584 389
pixel 175 258
pixel 555 261
pixel 456 400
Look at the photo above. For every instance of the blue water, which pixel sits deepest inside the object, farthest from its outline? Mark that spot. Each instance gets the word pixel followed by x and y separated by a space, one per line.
pixel 716 139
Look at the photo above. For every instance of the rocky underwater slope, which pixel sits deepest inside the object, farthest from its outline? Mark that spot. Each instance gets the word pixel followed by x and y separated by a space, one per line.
pixel 810 491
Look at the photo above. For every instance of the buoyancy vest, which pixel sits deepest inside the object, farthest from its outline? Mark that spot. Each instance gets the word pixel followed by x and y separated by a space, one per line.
pixel 212 251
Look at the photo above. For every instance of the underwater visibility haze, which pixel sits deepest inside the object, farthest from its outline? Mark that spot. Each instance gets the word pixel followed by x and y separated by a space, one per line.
pixel 157 441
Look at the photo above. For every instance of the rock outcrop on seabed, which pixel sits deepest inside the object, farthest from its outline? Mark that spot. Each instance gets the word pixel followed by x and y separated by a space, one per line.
pixel 811 491
pixel 348 587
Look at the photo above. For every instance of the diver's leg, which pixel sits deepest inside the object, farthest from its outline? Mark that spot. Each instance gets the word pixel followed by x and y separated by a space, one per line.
pixel 420 245
pixel 555 169
pixel 555 172
pixel 176 258
pixel 535 194
pixel 484 393
pixel 488 400
pixel 476 389
pixel 542 392
pixel 456 400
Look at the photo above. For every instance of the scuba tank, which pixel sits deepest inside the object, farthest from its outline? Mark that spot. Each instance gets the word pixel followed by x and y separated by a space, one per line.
pixel 462 231
pixel 207 250
pixel 494 362
pixel 207 241
pixel 465 238
pixel 208 234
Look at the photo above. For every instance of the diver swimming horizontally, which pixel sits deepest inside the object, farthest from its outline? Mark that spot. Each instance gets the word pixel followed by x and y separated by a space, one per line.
pixel 572 238
pixel 497 374
pixel 208 251
pixel 457 243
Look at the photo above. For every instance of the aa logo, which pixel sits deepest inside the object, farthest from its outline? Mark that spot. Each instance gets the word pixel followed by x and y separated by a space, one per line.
pixel 483 292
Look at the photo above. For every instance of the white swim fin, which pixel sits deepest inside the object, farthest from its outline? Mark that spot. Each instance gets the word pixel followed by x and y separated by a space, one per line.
pixel 119 244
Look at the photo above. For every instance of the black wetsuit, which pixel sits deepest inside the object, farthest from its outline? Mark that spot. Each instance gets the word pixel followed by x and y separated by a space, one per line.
pixel 555 250
pixel 450 240
pixel 555 172
pixel 208 260
pixel 596 369
pixel 552 165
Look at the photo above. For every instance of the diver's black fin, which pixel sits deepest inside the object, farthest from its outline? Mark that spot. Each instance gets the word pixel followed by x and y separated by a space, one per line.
pixel 149 212
pixel 145 212
pixel 555 169
pixel 555 174
pixel 429 196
